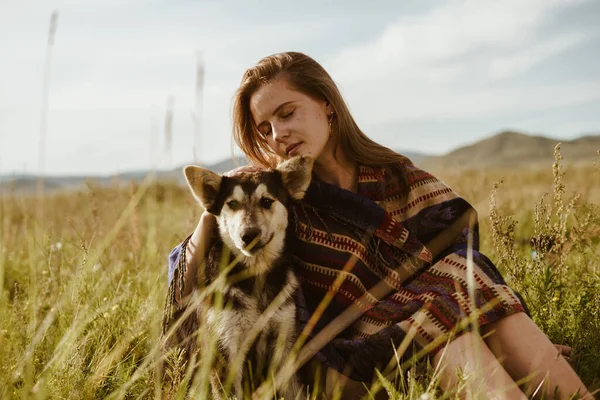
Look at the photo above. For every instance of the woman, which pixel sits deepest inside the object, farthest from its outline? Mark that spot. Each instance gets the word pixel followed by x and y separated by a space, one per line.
pixel 389 241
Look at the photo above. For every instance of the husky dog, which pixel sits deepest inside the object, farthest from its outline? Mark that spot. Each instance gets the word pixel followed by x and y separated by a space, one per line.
pixel 252 219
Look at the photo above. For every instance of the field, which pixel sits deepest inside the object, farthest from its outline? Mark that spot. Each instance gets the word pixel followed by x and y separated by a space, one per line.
pixel 83 276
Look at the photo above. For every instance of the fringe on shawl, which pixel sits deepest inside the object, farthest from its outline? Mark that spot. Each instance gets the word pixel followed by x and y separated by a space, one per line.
pixel 171 305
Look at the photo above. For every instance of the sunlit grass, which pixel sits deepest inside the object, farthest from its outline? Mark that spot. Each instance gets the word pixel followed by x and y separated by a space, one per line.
pixel 83 287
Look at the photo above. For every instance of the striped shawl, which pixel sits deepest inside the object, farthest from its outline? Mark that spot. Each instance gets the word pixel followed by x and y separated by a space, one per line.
pixel 395 253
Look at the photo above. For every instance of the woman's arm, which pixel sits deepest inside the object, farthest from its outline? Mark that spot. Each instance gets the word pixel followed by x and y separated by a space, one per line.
pixel 195 252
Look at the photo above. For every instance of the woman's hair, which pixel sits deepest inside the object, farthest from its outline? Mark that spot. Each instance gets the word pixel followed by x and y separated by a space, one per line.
pixel 307 76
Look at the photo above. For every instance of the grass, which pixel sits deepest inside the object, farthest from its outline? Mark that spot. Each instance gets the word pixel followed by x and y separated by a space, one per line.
pixel 83 278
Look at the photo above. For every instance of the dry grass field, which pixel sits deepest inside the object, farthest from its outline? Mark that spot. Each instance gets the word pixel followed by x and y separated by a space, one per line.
pixel 84 276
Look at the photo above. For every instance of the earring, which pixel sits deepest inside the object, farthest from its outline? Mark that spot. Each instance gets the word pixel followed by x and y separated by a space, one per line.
pixel 330 122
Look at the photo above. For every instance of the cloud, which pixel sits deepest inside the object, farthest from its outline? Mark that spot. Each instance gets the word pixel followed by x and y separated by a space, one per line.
pixel 455 61
pixel 447 34
pixel 115 64
pixel 523 60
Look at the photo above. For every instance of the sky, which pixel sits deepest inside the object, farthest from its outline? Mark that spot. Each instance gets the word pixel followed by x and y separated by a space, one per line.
pixel 426 76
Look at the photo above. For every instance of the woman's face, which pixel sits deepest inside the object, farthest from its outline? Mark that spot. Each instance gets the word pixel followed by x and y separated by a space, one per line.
pixel 291 122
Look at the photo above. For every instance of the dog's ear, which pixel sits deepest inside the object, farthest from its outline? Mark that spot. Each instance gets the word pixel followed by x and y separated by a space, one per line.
pixel 296 173
pixel 204 184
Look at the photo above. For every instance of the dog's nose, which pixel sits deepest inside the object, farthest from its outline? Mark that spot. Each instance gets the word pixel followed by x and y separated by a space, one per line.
pixel 249 235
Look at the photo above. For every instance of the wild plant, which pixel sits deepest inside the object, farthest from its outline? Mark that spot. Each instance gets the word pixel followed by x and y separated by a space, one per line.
pixel 554 265
pixel 82 293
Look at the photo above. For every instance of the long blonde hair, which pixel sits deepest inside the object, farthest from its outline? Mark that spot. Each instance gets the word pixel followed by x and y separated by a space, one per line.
pixel 307 76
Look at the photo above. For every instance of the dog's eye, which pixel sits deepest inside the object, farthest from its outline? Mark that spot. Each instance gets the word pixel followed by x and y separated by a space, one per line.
pixel 266 203
pixel 233 204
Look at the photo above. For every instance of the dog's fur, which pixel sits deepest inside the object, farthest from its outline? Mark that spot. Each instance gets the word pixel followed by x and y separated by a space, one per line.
pixel 252 220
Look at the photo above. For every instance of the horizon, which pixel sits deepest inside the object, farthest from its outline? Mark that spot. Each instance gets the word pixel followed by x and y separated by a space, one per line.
pixel 6 176
pixel 412 80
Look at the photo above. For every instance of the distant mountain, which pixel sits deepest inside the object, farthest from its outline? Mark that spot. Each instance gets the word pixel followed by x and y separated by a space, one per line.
pixel 228 164
pixel 506 149
pixel 414 156
pixel 27 183
pixel 509 149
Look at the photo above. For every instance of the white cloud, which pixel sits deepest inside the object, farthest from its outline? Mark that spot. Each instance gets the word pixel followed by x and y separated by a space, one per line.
pixel 115 64
pixel 454 62
pixel 446 34
pixel 523 60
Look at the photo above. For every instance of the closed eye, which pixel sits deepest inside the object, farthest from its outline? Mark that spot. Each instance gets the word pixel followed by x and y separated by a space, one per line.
pixel 265 130
pixel 266 203
pixel 288 114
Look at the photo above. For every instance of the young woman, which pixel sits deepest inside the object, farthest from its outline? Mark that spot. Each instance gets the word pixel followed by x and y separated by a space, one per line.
pixel 387 240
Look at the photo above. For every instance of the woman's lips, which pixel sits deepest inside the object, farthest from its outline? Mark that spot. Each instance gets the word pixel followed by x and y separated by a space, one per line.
pixel 291 148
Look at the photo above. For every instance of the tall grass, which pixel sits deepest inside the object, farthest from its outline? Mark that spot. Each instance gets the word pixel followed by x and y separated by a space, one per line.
pixel 83 294
pixel 552 259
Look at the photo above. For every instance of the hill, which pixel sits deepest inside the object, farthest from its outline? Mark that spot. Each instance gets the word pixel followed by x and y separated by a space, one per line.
pixel 510 149
pixel 27 183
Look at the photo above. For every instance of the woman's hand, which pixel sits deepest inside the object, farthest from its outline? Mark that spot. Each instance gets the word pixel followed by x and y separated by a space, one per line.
pixel 196 251
pixel 564 351
pixel 242 169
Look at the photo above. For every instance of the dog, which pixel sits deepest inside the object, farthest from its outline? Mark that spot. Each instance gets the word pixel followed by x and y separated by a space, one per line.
pixel 256 326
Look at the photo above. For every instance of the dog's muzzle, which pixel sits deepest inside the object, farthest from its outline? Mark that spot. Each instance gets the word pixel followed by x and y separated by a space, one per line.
pixel 251 237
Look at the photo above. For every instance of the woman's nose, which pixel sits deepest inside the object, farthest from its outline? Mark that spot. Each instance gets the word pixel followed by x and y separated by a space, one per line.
pixel 279 133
